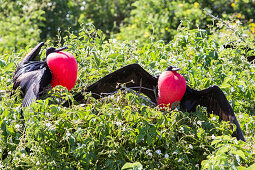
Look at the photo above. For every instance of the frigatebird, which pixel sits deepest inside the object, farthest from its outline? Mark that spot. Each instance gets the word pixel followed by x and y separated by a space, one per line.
pixel 34 77
pixel 136 78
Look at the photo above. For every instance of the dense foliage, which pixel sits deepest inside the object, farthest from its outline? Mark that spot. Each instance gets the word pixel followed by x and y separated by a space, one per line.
pixel 124 128
pixel 19 22
pixel 159 19
pixel 25 22
pixel 123 131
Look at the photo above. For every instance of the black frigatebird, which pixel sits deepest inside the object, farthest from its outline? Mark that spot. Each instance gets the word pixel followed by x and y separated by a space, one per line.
pixel 34 77
pixel 168 87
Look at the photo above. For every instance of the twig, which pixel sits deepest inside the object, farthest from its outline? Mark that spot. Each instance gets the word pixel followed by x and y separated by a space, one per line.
pixel 216 18
pixel 130 90
pixel 141 88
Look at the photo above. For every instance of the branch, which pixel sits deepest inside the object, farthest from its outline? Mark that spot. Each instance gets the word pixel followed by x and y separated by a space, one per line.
pixel 226 24
pixel 130 90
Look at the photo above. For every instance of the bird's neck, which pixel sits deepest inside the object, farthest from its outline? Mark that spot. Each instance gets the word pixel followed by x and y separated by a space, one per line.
pixel 171 88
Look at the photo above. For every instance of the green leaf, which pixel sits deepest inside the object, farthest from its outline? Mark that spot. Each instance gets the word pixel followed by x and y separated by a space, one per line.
pixel 10 65
pixel 216 140
pixel 239 153
pixel 251 167
pixel 132 166
pixel 4 128
pixel 225 84
pixel 149 139
pixel 96 59
pixel 140 137
pixel 241 168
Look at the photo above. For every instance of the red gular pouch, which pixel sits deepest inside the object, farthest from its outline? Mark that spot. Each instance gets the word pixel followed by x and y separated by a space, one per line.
pixel 63 67
pixel 171 88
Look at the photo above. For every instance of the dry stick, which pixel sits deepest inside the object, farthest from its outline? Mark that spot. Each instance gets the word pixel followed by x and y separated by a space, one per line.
pixel 226 24
pixel 128 89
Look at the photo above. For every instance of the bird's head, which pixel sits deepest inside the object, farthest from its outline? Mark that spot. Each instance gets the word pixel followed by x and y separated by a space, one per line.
pixel 171 87
pixel 54 50
pixel 172 68
pixel 63 67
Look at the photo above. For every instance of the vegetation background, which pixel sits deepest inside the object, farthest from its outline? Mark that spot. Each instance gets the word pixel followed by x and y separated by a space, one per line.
pixel 123 131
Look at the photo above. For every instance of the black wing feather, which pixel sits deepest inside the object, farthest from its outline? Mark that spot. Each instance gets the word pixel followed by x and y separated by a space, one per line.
pixel 215 101
pixel 134 77
pixel 28 67
pixel 30 56
pixel 32 83
pixel 31 90
pixel 32 76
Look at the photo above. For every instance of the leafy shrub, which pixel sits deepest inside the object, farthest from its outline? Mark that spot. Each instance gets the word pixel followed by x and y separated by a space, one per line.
pixel 19 25
pixel 105 15
pixel 159 19
pixel 123 128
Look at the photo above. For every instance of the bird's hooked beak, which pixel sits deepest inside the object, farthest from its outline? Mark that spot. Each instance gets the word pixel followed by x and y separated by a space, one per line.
pixel 60 49
pixel 172 68
pixel 53 50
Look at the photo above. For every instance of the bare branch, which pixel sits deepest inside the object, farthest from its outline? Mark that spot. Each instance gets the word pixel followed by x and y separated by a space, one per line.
pixel 226 24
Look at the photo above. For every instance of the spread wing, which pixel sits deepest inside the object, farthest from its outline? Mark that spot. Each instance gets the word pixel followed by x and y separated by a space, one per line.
pixel 32 76
pixel 32 83
pixel 30 56
pixel 25 68
pixel 132 76
pixel 215 101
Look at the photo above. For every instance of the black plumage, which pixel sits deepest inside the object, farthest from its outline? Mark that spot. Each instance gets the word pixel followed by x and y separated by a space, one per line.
pixel 32 76
pixel 136 78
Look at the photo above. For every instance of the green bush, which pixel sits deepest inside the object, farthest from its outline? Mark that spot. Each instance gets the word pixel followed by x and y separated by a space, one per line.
pixel 66 16
pixel 61 16
pixel 19 25
pixel 105 15
pixel 24 23
pixel 159 19
pixel 123 130
pixel 155 20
